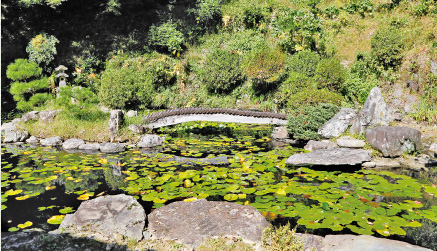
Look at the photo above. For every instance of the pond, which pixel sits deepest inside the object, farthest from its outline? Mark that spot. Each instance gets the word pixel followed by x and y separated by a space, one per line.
pixel 221 162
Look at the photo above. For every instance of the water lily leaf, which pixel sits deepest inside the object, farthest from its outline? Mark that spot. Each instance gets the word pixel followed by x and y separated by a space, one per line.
pixel 231 197
pixel 414 224
pixel 159 201
pixel 56 219
pixel 84 197
pixel 190 199
pixel 50 187
pixel 13 192
pixel 26 224
pixel 66 210
pixel 13 229
pixel 3 207
pixel 24 197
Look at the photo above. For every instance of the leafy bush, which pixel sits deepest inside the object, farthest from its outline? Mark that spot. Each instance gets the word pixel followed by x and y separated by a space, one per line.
pixel 244 41
pixel 303 62
pixel 26 86
pixel 364 66
pixel 294 83
pixel 358 6
pixel 209 14
pixel 387 46
pixel 355 88
pixel 166 36
pixel 313 96
pixel 132 81
pixel 220 71
pixel 22 70
pixel 80 102
pixel 304 122
pixel 330 73
pixel 252 16
pixel 265 64
pixel 427 107
pixel 281 239
pixel 42 49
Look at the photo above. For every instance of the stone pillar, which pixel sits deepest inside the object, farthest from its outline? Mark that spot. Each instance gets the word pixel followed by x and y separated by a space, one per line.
pixel 115 121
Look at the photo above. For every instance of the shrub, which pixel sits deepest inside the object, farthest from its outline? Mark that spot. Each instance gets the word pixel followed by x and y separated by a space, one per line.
pixel 293 84
pixel 80 102
pixel 355 88
pixel 209 14
pixel 330 73
pixel 281 239
pixel 244 41
pixel 313 96
pixel 220 71
pixel 22 70
pixel 42 49
pixel 364 66
pixel 166 36
pixel 252 16
pixel 303 123
pixel 132 81
pixel 387 45
pixel 303 62
pixel 265 64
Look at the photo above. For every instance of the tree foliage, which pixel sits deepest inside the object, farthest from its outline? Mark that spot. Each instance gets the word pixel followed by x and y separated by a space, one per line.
pixel 23 70
pixel 42 49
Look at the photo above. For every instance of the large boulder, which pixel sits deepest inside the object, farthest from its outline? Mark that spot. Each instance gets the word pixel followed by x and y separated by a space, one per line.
pixel 90 147
pixel 72 144
pixel 393 141
pixel 136 128
pixel 192 222
pixel 112 147
pixel 16 135
pixel 53 141
pixel 313 145
pixel 32 140
pixel 111 217
pixel 150 140
pixel 115 121
pixel 330 157
pixel 48 115
pixel 280 132
pixel 33 115
pixel 10 126
pixel 337 124
pixel 373 113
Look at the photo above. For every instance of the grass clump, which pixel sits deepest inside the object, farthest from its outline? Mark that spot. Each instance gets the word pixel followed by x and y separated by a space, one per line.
pixel 281 239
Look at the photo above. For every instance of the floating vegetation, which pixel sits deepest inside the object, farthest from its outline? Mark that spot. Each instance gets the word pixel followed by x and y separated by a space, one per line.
pixel 241 168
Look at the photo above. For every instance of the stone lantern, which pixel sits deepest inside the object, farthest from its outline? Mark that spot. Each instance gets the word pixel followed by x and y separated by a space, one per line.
pixel 62 75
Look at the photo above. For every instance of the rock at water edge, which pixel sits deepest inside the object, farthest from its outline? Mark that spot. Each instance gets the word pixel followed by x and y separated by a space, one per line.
pixel 151 140
pixel 313 145
pixel 16 135
pixel 72 144
pixel 111 217
pixel 373 113
pixel 192 222
pixel 337 124
pixel 280 132
pixel 366 242
pixel 32 140
pixel 115 121
pixel 330 157
pixel 393 141
pixel 351 143
pixel 112 147
pixel 53 141
pixel 92 147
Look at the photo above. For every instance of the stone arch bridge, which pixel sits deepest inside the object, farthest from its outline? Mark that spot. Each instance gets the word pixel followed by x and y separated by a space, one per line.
pixel 182 115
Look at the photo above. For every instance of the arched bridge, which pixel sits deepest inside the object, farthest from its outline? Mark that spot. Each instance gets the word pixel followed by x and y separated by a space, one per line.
pixel 181 115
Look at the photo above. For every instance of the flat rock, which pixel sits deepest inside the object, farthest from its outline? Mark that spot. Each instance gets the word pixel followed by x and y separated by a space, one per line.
pixel 150 140
pixel 10 126
pixel 72 144
pixel 280 132
pixel 92 147
pixel 311 242
pixel 330 157
pixel 16 135
pixel 393 141
pixel 48 115
pixel 131 113
pixel 337 124
pixel 32 140
pixel 112 147
pixel 386 163
pixel 313 145
pixel 351 143
pixel 373 113
pixel 192 222
pixel 53 141
pixel 370 164
pixel 136 128
pixel 111 217
pixel 33 115
pixel 349 242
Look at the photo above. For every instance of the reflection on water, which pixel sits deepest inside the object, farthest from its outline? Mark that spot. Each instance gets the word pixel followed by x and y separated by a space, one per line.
pixel 243 167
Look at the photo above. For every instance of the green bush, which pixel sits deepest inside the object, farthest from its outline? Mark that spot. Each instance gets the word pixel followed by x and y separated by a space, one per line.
pixel 364 66
pixel 303 62
pixel 244 41
pixel 313 96
pixel 387 45
pixel 355 88
pixel 167 37
pixel 295 82
pixel 209 14
pixel 330 73
pixel 80 103
pixel 265 64
pixel 220 71
pixel 281 239
pixel 22 70
pixel 42 49
pixel 304 122
pixel 131 82
pixel 252 16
